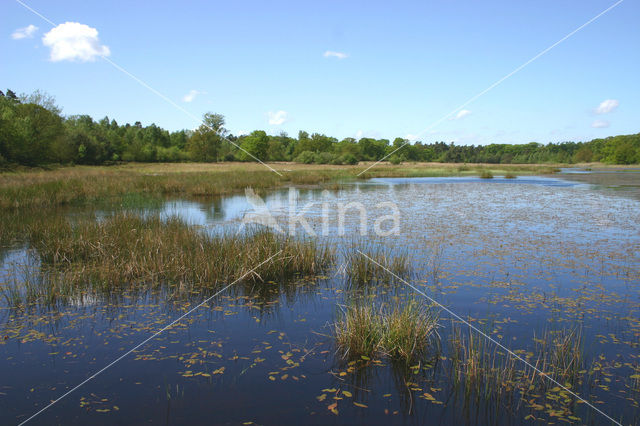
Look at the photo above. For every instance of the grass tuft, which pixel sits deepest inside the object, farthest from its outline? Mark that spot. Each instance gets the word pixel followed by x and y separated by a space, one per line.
pixel 371 265
pixel 403 333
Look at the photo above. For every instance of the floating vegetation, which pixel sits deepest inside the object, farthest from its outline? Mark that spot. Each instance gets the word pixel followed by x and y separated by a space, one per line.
pixel 405 333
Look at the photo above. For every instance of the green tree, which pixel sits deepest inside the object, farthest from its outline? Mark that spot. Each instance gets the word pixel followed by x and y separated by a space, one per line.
pixel 256 144
pixel 206 141
pixel 625 154
pixel 38 130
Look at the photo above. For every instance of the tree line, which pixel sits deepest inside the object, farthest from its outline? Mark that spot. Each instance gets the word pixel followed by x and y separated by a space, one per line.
pixel 34 132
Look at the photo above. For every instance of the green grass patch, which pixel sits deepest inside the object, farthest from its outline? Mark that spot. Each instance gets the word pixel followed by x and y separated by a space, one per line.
pixel 403 333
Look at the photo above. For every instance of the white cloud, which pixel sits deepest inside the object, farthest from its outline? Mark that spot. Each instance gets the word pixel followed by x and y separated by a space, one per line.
pixel 277 118
pixel 332 54
pixel 242 132
pixel 189 97
pixel 73 41
pixel 600 124
pixel 607 106
pixel 26 32
pixel 461 114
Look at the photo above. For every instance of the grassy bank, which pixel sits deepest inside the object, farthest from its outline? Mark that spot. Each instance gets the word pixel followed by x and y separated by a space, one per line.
pixel 84 184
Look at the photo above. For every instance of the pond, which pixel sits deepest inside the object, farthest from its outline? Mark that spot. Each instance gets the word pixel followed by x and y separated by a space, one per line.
pixel 517 258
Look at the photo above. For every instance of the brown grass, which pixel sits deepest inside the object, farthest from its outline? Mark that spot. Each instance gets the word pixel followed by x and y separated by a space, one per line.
pixel 85 184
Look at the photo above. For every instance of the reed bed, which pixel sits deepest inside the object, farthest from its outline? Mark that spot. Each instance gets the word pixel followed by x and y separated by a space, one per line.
pixel 129 251
pixel 403 333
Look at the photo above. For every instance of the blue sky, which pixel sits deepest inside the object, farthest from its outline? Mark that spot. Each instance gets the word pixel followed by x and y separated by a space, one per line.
pixel 396 67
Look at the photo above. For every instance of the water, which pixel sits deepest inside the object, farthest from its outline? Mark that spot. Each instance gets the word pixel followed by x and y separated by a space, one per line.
pixel 517 257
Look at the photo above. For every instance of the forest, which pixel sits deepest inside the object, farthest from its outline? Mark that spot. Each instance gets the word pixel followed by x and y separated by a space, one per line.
pixel 34 132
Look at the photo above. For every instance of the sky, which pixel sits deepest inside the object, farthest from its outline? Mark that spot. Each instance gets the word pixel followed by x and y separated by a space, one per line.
pixel 342 68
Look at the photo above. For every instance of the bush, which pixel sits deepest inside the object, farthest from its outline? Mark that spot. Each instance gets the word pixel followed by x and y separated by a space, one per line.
pixel 170 155
pixel 625 154
pixel 324 158
pixel 305 157
pixel 395 160
pixel 348 159
pixel 486 174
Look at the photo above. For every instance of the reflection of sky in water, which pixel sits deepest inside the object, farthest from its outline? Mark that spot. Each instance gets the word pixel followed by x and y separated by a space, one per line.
pixel 539 205
pixel 529 180
pixel 535 230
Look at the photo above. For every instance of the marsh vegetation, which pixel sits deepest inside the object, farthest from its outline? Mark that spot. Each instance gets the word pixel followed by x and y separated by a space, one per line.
pixel 406 333
pixel 95 260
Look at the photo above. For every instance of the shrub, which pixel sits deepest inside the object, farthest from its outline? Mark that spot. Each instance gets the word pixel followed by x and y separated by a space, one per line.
pixel 348 159
pixel 305 157
pixel 324 158
pixel 395 160
pixel 170 155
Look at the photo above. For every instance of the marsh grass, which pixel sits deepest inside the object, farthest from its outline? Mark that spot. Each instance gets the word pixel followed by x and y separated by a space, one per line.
pixel 561 354
pixel 403 333
pixel 452 169
pixel 89 186
pixel 86 185
pixel 478 369
pixel 483 372
pixel 486 174
pixel 370 265
pixel 126 251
